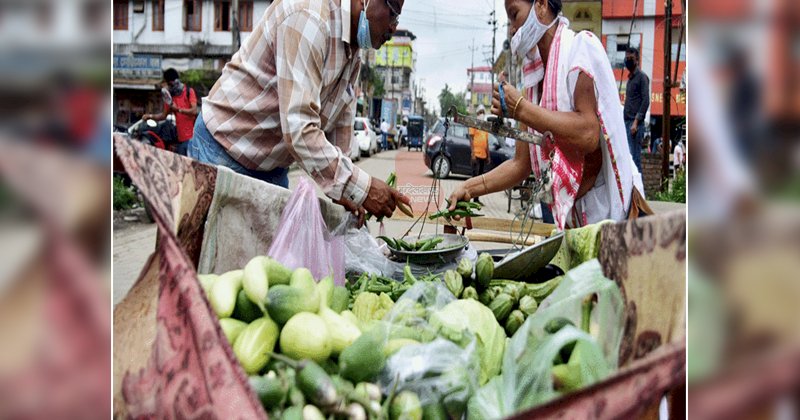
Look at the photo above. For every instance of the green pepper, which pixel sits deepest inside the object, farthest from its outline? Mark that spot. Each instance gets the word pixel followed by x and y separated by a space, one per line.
pixel 389 241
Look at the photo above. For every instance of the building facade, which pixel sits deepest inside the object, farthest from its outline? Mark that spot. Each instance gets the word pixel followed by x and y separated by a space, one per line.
pixel 396 62
pixel 479 88
pixel 153 35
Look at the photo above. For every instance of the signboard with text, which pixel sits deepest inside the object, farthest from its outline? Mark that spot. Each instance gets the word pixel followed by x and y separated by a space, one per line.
pixel 137 66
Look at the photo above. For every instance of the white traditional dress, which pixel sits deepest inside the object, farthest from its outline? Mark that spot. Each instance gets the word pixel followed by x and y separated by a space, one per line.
pixel 610 197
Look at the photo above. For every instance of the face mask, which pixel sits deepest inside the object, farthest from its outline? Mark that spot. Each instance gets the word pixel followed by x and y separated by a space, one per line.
pixel 630 64
pixel 176 87
pixel 363 36
pixel 530 33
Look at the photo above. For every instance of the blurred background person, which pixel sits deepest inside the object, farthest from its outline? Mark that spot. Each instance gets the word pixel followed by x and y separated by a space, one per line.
pixel 181 102
pixel 479 148
pixel 637 101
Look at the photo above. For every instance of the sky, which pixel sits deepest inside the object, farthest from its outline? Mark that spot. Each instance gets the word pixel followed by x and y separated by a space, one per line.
pixel 445 30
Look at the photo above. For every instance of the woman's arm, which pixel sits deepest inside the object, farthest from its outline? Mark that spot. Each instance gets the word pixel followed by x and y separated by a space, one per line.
pixel 578 130
pixel 503 177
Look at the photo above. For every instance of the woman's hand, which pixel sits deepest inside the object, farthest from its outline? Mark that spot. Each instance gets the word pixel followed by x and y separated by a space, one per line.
pixel 512 97
pixel 460 194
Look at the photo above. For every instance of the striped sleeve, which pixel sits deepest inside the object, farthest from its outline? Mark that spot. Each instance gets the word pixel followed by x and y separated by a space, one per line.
pixel 302 40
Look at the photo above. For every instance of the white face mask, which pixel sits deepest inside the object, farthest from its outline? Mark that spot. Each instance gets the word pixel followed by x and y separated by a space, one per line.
pixel 530 33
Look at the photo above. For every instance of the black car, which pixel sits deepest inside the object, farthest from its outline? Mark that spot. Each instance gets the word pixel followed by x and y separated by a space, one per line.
pixel 457 158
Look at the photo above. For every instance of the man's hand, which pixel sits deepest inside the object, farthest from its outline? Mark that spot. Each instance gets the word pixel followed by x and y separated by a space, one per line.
pixel 355 210
pixel 634 127
pixel 382 199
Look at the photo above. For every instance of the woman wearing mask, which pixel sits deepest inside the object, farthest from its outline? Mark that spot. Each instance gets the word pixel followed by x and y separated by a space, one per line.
pixel 570 93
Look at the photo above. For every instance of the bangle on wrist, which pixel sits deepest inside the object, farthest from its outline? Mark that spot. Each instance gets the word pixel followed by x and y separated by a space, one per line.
pixel 485 188
pixel 514 111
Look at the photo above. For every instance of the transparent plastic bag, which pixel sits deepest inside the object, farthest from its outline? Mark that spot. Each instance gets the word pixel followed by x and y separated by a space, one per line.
pixel 530 381
pixel 527 379
pixel 439 372
pixel 362 252
pixel 303 239
pixel 608 314
pixel 437 369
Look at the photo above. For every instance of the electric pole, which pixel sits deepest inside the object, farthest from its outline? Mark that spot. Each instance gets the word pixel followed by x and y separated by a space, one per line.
pixel 493 23
pixel 235 36
pixel 665 135
pixel 472 78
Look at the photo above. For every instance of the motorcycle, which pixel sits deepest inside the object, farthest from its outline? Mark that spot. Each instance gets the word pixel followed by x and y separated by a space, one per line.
pixel 162 135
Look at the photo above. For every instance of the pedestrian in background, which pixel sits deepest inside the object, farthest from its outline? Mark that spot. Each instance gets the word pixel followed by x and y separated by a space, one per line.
pixel 181 101
pixel 479 146
pixel 637 101
pixel 384 134
pixel 678 158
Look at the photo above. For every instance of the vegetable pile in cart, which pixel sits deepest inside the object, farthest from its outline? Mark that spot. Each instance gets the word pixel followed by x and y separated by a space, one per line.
pixel 457 345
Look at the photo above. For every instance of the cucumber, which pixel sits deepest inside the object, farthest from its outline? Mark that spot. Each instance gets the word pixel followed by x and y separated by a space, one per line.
pixel 255 344
pixel 306 336
pixel 434 411
pixel 342 332
pixel 207 281
pixel 341 297
pixel 405 406
pixel 311 412
pixel 232 328
pixel 255 282
pixel 293 413
pixel 316 384
pixel 245 310
pixel 325 288
pixel 285 302
pixel 270 390
pixel 302 279
pixel 224 293
pixel 277 273
pixel 363 360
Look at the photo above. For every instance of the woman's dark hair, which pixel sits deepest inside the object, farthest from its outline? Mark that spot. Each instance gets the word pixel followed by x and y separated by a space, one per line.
pixel 553 5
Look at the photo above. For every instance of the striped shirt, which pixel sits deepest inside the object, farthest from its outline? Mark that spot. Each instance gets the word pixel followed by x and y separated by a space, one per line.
pixel 288 95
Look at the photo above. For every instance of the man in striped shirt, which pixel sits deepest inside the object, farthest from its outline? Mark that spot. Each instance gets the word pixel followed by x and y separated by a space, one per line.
pixel 288 96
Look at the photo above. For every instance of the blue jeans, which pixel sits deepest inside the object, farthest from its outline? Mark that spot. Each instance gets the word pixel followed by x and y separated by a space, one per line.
pixel 205 148
pixel 182 148
pixel 635 143
pixel 385 141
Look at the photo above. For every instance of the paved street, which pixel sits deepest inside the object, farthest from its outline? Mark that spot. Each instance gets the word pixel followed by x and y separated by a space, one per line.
pixel 134 242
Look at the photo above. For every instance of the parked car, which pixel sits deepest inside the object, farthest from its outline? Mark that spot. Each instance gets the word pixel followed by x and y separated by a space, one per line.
pixel 457 157
pixel 355 150
pixel 366 136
